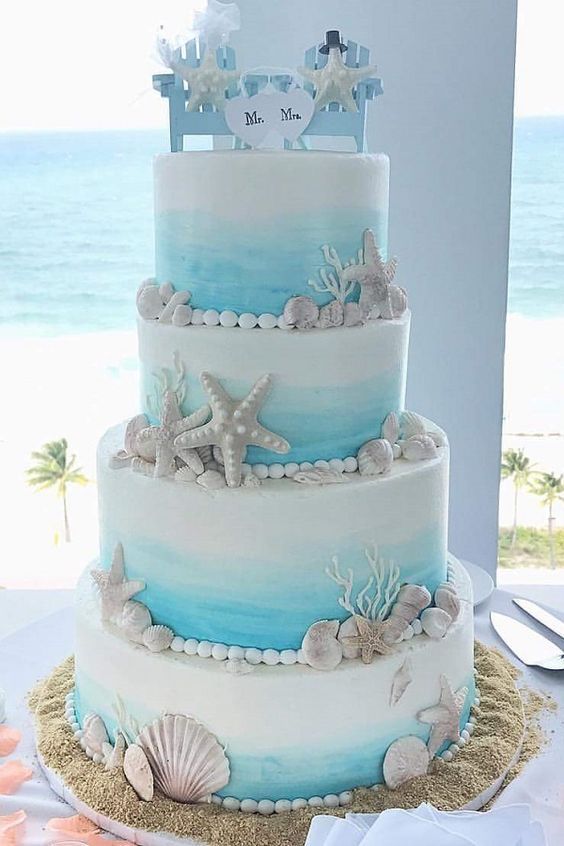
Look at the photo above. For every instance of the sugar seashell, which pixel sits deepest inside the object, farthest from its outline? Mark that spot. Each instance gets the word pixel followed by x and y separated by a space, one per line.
pixel 185 475
pixel 375 457
pixel 218 456
pixel 435 622
pixel 320 646
pixel 187 761
pixel 94 733
pixel 113 755
pixel 158 638
pixel 182 315
pixel 138 773
pixel 319 476
pixel 150 302
pixel 353 314
pixel 301 312
pixel 212 480
pixel 166 290
pixel 411 600
pixel 391 428
pixel 135 425
pixel 394 304
pixel 447 601
pixel 402 680
pixel 448 586
pixel 346 630
pixel 238 667
pixel 405 759
pixel 418 448
pixel 135 618
pixel 412 424
pixel 251 481
pixel 192 459
pixel 120 459
pixel 438 438
pixel 331 315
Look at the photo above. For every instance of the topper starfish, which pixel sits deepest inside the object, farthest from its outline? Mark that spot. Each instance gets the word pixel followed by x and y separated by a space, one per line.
pixel 114 589
pixel 233 426
pixel 444 717
pixel 207 83
pixel 374 275
pixel 160 439
pixel 335 82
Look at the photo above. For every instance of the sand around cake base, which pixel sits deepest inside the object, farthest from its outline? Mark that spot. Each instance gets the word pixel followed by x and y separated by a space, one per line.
pixel 469 781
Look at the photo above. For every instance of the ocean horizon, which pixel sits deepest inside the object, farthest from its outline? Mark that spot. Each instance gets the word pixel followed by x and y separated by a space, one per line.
pixel 79 239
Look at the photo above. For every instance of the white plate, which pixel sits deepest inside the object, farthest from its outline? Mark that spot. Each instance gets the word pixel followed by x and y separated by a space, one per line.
pixel 482 582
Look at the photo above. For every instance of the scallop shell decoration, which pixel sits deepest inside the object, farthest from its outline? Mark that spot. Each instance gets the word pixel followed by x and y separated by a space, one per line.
pixel 301 312
pixel 411 600
pixel 331 315
pixel 447 601
pixel 94 734
pixel 187 761
pixel 158 638
pixel 435 622
pixel 394 304
pixel 320 646
pixel 419 448
pixel 135 619
pixel 412 424
pixel 137 771
pixel 391 428
pixel 212 480
pixel 375 457
pixel 405 759
pixel 347 630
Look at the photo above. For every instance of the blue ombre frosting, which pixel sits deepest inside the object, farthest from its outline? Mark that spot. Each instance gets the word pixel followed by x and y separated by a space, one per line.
pixel 227 264
pixel 249 602
pixel 351 757
pixel 319 423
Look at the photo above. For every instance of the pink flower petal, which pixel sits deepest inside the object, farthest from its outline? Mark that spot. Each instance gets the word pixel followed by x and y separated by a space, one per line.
pixel 10 828
pixel 12 776
pixel 73 825
pixel 9 739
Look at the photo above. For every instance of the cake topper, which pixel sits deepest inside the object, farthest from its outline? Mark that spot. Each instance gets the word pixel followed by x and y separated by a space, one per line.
pixel 204 81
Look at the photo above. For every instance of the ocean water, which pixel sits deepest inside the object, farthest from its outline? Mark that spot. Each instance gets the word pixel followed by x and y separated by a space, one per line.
pixel 76 226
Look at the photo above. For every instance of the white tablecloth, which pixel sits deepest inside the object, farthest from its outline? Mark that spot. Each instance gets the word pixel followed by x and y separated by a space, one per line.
pixel 29 654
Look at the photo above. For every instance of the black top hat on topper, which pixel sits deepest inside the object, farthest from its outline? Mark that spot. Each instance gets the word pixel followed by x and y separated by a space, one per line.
pixel 332 39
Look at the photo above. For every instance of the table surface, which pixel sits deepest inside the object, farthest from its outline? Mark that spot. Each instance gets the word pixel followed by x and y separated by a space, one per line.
pixel 36 633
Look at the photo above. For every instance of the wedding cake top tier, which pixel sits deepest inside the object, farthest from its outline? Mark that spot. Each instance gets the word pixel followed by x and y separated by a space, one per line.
pixel 245 231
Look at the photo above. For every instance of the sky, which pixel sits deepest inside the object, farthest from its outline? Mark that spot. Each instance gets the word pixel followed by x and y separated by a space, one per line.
pixel 51 76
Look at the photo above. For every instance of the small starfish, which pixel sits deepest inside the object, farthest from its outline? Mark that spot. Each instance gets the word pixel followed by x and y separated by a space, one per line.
pixel 208 83
pixel 115 591
pixel 444 717
pixel 233 426
pixel 374 275
pixel 372 638
pixel 335 82
pixel 160 439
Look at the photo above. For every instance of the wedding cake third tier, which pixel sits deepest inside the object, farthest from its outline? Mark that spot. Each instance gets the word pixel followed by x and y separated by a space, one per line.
pixel 274 619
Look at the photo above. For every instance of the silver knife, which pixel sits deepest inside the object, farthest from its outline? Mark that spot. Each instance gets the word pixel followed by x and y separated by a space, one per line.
pixel 545 617
pixel 531 648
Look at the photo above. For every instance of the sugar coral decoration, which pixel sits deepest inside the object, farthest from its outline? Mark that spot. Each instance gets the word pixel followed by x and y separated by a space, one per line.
pixel 12 776
pixel 76 824
pixel 233 426
pixel 10 827
pixel 335 82
pixel 9 739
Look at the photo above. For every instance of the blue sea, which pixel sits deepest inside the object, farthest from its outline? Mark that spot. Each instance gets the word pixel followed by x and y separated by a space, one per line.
pixel 76 226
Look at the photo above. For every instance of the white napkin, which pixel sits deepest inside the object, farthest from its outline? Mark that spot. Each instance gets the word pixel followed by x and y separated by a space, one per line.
pixel 425 826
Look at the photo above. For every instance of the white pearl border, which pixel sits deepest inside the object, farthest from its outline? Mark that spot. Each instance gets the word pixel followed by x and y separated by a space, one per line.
pixel 230 319
pixel 267 807
pixel 279 471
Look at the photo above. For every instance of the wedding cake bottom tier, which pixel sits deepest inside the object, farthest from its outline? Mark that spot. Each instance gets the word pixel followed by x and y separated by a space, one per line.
pixel 289 732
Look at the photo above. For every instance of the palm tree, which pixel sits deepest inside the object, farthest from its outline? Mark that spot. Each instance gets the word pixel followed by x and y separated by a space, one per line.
pixel 550 488
pixel 516 466
pixel 54 469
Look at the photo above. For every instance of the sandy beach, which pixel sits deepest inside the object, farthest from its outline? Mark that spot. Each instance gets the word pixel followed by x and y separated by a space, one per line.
pixel 77 386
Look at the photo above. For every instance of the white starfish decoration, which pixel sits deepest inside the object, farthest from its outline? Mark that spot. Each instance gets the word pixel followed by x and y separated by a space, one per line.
pixel 114 589
pixel 444 717
pixel 207 83
pixel 159 440
pixel 335 82
pixel 374 275
pixel 233 426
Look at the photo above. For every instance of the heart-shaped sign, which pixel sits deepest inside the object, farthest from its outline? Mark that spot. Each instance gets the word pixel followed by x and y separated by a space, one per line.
pixel 253 118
